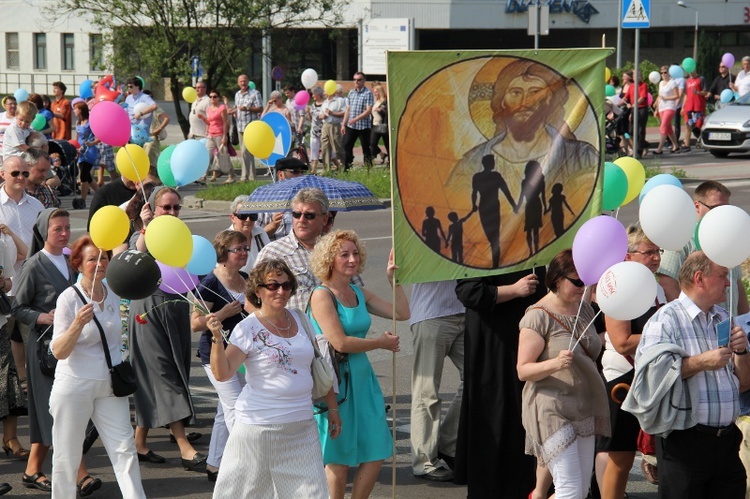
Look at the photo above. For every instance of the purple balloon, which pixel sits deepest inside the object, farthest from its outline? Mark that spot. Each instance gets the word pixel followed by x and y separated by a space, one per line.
pixel 599 243
pixel 76 101
pixel 174 280
pixel 728 60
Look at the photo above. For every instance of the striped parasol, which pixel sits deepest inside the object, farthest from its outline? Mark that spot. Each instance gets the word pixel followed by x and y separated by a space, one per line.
pixel 342 195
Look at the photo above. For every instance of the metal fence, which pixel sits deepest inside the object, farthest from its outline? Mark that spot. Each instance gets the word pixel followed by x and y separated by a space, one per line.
pixel 41 83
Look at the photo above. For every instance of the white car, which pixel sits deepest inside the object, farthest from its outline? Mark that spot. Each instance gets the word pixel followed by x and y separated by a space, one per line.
pixel 728 129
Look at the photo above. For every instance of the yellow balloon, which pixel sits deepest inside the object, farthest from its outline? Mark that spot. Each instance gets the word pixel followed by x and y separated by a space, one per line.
pixel 330 87
pixel 259 139
pixel 607 75
pixel 132 162
pixel 168 240
pixel 109 227
pixel 189 94
pixel 636 176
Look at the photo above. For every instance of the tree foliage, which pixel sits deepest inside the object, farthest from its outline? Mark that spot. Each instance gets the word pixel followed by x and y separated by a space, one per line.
pixel 158 38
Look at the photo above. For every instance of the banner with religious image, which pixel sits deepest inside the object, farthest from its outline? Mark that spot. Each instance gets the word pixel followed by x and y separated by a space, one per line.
pixel 497 157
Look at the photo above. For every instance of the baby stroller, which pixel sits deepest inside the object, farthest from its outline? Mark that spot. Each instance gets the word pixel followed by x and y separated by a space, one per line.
pixel 68 170
pixel 611 137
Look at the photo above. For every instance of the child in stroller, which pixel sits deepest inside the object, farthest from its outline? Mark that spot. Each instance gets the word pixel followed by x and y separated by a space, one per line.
pixel 66 169
pixel 613 129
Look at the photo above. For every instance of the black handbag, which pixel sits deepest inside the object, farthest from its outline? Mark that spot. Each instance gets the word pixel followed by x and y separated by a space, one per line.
pixel 235 135
pixel 5 305
pixel 123 377
pixel 47 361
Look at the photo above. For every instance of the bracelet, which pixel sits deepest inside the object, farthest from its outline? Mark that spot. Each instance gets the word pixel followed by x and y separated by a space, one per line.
pixel 741 353
pixel 215 341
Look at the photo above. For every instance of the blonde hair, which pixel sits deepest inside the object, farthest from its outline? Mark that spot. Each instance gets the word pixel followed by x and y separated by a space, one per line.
pixel 27 110
pixel 321 260
pixel 636 237
pixel 381 91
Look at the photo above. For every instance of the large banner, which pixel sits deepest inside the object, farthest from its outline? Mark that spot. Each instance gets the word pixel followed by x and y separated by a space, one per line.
pixel 498 157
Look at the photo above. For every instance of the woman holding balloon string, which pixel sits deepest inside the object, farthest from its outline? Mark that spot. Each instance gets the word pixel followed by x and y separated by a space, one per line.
pixel 617 452
pixel 160 346
pixel 223 290
pixel 88 154
pixel 564 400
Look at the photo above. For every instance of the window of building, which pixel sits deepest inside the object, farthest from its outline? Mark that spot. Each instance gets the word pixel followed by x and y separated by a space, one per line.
pixel 96 59
pixel 657 40
pixel 728 39
pixel 68 51
pixel 12 59
pixel 40 51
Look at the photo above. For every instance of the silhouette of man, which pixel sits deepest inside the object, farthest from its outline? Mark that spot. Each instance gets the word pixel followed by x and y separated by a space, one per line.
pixel 486 184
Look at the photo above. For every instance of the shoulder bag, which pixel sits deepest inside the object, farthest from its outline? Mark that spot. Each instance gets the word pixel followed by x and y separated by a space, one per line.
pixel 123 377
pixel 322 373
pixel 47 361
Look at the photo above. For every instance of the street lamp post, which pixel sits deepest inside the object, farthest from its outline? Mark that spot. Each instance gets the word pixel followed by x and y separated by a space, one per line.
pixel 695 39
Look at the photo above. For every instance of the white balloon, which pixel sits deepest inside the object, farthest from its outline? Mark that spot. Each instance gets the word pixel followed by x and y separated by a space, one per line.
pixel 139 108
pixel 626 291
pixel 667 216
pixel 309 78
pixel 654 77
pixel 724 235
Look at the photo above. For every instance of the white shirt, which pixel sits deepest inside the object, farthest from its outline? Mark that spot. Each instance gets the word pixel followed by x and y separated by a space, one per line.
pixel 279 380
pixel 8 253
pixel 13 137
pixel 60 263
pixel 5 122
pixel 743 82
pixel 20 217
pixel 198 127
pixel 432 300
pixel 87 358
pixel 132 101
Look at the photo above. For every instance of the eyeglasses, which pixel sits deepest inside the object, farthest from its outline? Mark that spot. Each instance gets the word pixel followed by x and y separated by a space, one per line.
pixel 245 216
pixel 130 86
pixel 16 173
pixel 274 286
pixel 710 207
pixel 169 207
pixel 241 249
pixel 214 96
pixel 664 72
pixel 308 215
pixel 575 282
pixel 649 253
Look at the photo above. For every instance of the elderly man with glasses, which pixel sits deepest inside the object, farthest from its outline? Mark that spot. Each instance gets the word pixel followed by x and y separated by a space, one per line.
pixel 722 82
pixel 198 110
pixel 357 123
pixel 278 225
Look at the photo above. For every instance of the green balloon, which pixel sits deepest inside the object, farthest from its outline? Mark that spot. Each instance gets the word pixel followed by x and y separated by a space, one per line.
pixel 688 64
pixel 164 167
pixel 39 123
pixel 251 85
pixel 696 238
pixel 143 81
pixel 609 90
pixel 615 186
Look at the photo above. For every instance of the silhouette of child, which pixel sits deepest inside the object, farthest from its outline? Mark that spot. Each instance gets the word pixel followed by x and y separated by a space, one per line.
pixel 533 190
pixel 556 203
pixel 432 230
pixel 456 236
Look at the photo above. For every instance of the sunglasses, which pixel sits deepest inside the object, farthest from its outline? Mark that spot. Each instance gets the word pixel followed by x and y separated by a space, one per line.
pixel 274 286
pixel 664 72
pixel 214 96
pixel 308 215
pixel 130 86
pixel 575 282
pixel 245 216
pixel 169 207
pixel 359 79
pixel 16 173
pixel 242 249
pixel 709 206
pixel 296 171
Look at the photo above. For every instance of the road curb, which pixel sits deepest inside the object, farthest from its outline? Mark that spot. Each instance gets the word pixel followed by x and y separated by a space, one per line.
pixel 197 203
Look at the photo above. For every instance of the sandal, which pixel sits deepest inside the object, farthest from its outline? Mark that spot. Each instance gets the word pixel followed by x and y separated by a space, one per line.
pixel 35 482
pixel 92 486
pixel 18 452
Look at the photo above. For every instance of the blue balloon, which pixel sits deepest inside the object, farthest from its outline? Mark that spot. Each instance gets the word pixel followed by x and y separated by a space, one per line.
pixel 676 71
pixel 203 260
pixel 726 96
pixel 189 162
pixel 203 141
pixel 139 135
pixel 86 89
pixel 21 95
pixel 657 180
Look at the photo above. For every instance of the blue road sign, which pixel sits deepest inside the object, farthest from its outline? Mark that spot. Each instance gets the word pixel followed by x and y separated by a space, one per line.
pixel 283 133
pixel 636 13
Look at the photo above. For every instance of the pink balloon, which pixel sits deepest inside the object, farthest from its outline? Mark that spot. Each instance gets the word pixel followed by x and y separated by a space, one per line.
pixel 599 243
pixel 650 99
pixel 302 98
pixel 110 123
pixel 174 280
pixel 728 60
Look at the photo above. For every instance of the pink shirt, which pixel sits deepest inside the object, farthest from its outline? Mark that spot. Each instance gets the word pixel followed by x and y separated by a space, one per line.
pixel 215 123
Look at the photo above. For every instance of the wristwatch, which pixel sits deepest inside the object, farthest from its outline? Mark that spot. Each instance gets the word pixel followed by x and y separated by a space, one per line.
pixel 742 353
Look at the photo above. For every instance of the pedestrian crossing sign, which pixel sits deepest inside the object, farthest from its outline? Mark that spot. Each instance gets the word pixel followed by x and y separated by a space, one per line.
pixel 636 14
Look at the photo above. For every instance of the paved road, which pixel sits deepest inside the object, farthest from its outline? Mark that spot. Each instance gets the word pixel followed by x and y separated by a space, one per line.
pixel 170 480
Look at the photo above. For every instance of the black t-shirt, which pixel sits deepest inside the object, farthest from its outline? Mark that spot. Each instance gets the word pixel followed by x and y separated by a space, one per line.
pixel 114 193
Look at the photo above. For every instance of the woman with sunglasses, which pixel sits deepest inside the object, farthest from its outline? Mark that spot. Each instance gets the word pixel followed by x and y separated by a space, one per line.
pixel 273 448
pixel 160 353
pixel 246 223
pixel 216 142
pixel 666 108
pixel 223 294
pixel 340 311
pixel 564 402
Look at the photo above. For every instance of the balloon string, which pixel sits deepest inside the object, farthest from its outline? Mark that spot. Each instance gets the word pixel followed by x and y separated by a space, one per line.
pixel 617 212
pixel 585 329
pixel 578 314
pixel 177 274
pixel 227 301
pixel 731 296
pixel 137 175
pixel 96 269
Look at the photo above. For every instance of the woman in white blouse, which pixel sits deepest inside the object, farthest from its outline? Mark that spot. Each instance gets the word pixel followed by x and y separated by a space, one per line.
pixel 83 389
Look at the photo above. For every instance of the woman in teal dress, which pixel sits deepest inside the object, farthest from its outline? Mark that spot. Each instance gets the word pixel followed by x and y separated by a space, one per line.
pixel 340 311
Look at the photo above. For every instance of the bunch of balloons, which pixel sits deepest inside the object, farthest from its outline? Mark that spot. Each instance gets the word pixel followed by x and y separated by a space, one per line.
pixel 623 180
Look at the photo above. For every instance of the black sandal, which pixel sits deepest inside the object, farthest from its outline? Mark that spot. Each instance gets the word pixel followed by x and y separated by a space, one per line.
pixel 92 486
pixel 34 482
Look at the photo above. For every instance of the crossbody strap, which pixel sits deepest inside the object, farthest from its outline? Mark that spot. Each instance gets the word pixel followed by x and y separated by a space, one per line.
pixel 308 329
pixel 564 327
pixel 101 331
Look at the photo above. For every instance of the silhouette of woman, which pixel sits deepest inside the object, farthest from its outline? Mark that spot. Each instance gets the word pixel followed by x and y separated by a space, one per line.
pixel 533 191
pixel 432 230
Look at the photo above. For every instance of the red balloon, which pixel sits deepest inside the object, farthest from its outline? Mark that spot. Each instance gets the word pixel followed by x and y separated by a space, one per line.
pixel 74 143
pixel 106 90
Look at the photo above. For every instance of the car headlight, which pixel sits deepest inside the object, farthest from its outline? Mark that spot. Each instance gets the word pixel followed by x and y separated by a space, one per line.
pixel 746 124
